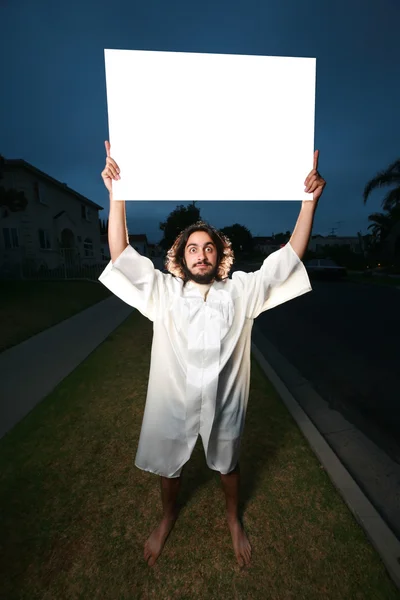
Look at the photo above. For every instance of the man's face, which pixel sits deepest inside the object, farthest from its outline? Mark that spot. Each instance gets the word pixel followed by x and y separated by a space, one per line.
pixel 201 257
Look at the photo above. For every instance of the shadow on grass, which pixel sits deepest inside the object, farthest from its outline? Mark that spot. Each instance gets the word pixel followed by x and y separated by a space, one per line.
pixel 263 435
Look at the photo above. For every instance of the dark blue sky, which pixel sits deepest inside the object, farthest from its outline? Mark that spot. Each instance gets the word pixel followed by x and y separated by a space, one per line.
pixel 53 95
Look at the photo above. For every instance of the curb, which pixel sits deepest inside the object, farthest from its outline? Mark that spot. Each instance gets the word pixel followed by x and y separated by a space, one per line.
pixel 380 535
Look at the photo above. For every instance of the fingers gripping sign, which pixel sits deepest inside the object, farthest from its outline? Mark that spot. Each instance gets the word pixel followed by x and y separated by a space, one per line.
pixel 314 183
pixel 111 170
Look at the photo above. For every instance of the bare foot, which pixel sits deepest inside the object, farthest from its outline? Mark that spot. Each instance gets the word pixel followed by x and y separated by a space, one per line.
pixel 156 541
pixel 241 544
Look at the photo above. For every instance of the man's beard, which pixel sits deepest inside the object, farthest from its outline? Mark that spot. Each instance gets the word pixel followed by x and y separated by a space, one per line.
pixel 203 278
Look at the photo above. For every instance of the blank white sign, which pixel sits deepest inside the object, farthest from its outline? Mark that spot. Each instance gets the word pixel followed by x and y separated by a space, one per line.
pixel 187 126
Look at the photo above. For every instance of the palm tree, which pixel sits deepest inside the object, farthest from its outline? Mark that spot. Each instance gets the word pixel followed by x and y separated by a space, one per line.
pixel 380 226
pixel 391 176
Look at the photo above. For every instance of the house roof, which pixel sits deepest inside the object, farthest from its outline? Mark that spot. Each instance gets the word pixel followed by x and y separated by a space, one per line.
pixel 22 164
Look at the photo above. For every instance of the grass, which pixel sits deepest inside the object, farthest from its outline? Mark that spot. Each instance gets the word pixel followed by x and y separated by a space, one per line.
pixel 29 307
pixel 76 512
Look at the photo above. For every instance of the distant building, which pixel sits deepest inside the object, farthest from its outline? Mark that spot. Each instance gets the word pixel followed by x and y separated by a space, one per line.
pixel 58 227
pixel 353 243
pixel 265 245
pixel 140 243
pixel 137 241
pixel 155 250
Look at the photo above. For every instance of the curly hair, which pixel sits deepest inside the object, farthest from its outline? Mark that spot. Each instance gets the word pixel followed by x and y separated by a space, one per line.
pixel 175 261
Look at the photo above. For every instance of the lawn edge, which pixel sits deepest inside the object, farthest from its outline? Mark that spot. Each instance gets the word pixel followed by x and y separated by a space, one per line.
pixel 379 534
pixel 64 318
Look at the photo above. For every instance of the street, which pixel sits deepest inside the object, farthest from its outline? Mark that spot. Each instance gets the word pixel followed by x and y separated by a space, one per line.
pixel 344 338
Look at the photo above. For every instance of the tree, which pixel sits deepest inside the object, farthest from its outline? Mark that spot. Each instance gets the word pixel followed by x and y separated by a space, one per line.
pixel 391 176
pixel 12 199
pixel 381 223
pixel 103 227
pixel 240 237
pixel 180 218
pixel 281 238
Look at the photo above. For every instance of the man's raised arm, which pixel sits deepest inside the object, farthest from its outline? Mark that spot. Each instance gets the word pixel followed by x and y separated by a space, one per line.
pixel 118 238
pixel 301 234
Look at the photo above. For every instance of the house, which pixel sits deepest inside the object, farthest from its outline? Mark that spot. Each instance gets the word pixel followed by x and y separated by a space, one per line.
pixel 155 250
pixel 140 243
pixel 104 248
pixel 353 243
pixel 265 245
pixel 58 227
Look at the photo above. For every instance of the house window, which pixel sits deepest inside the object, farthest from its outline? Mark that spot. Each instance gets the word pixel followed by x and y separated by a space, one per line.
pixel 10 236
pixel 88 247
pixel 39 194
pixel 44 239
pixel 85 212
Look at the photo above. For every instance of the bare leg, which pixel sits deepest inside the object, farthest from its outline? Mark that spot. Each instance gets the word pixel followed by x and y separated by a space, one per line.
pixel 155 543
pixel 241 545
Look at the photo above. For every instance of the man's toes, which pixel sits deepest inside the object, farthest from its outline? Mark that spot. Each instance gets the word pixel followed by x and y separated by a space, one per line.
pixel 246 554
pixel 240 560
pixel 151 561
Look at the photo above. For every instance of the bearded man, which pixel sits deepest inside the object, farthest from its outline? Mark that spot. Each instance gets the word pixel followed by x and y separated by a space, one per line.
pixel 200 358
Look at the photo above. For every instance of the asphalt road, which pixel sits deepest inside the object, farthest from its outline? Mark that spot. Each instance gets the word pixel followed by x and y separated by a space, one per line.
pixel 344 337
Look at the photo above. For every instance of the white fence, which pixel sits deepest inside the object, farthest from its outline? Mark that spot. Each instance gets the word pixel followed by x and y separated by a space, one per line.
pixel 71 266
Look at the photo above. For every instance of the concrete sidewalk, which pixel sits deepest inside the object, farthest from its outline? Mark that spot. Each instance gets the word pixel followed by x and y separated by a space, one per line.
pixel 32 369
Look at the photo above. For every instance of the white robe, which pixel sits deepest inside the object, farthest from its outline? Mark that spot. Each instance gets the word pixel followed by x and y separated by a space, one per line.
pixel 200 357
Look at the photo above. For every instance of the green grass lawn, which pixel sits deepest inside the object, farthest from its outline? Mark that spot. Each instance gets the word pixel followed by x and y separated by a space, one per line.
pixel 28 307
pixel 75 512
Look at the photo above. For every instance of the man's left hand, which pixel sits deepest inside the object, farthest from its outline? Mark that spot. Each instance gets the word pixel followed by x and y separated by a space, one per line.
pixel 314 182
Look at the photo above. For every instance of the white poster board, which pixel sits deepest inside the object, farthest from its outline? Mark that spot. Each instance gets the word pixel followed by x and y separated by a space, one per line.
pixel 188 126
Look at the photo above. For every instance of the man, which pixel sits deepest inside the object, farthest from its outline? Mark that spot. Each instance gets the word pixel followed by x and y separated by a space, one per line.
pixel 200 358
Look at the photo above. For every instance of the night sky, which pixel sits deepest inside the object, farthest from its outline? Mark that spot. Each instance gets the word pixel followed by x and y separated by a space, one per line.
pixel 53 95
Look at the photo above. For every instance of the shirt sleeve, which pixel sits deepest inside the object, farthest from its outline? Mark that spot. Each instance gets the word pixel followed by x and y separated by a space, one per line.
pixel 281 277
pixel 133 278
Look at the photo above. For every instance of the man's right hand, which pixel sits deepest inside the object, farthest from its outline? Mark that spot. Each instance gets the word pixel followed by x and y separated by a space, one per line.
pixel 111 170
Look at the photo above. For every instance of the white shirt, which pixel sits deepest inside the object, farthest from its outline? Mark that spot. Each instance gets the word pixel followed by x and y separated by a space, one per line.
pixel 203 288
pixel 200 357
